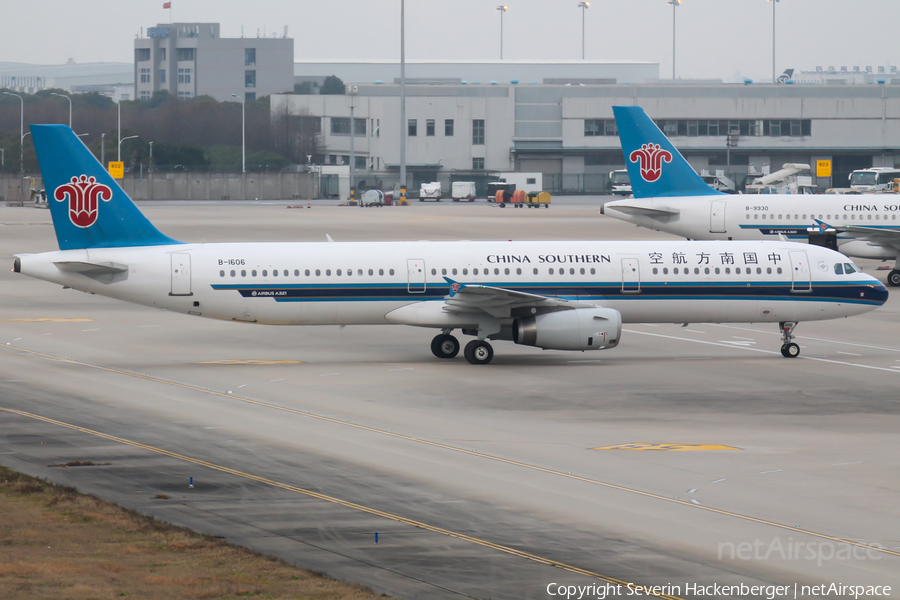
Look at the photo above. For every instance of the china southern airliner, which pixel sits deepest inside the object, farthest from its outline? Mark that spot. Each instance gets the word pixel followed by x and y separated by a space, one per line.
pixel 669 196
pixel 553 295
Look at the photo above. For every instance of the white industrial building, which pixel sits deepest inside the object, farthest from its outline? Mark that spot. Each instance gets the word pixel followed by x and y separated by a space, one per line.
pixel 567 132
pixel 190 59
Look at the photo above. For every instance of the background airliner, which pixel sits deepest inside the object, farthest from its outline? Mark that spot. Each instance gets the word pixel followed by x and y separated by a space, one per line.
pixel 671 197
pixel 552 295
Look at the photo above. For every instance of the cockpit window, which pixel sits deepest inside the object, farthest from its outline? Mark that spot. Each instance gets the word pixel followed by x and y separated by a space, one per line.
pixel 838 269
pixel 848 268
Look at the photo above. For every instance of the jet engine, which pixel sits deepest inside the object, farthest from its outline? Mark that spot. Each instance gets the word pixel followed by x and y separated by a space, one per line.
pixel 576 329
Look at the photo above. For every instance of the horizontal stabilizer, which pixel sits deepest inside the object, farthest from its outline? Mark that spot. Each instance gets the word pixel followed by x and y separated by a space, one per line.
pixel 86 268
pixel 644 211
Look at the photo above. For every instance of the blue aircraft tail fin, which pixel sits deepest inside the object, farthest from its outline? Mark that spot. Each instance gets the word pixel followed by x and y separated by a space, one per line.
pixel 655 167
pixel 88 207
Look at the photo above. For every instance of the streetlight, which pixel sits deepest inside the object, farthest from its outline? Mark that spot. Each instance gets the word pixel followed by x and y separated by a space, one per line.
pixel 103 149
pixel 674 4
pixel 21 131
pixel 119 130
pixel 70 105
pixel 403 124
pixel 243 134
pixel 120 145
pixel 774 80
pixel 584 6
pixel 502 9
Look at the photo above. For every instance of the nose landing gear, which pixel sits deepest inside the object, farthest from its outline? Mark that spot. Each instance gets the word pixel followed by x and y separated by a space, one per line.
pixel 788 349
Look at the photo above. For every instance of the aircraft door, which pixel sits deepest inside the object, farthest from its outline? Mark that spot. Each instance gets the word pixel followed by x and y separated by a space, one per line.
pixel 415 269
pixel 181 275
pixel 631 275
pixel 717 216
pixel 800 272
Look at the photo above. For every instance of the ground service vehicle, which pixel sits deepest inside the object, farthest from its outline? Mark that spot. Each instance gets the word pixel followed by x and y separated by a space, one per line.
pixel 430 191
pixel 463 190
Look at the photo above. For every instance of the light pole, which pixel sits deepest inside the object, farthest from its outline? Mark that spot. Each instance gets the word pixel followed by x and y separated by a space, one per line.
pixel 674 4
pixel 243 134
pixel 774 80
pixel 352 90
pixel 584 6
pixel 150 173
pixel 120 145
pixel 103 149
pixel 119 130
pixel 403 124
pixel 70 105
pixel 21 131
pixel 501 9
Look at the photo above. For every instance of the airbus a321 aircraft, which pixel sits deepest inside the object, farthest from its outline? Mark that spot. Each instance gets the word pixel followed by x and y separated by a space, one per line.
pixel 669 196
pixel 552 295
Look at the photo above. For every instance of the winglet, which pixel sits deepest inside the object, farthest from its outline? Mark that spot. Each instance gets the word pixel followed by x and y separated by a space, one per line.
pixel 823 226
pixel 655 167
pixel 455 287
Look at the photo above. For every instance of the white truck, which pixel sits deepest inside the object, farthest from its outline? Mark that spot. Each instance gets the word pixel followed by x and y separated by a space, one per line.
pixel 463 190
pixel 619 183
pixel 527 182
pixel 430 191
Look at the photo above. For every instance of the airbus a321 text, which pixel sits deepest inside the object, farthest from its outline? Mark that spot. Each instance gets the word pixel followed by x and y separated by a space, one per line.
pixel 669 196
pixel 572 295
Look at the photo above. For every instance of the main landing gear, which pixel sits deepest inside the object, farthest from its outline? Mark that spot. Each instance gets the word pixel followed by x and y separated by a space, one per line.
pixel 893 278
pixel 788 349
pixel 477 352
pixel 445 346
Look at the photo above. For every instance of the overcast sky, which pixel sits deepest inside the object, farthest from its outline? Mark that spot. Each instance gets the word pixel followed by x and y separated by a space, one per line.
pixel 726 39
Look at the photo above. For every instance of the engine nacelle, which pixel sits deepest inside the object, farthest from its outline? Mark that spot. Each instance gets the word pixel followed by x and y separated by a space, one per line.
pixel 577 329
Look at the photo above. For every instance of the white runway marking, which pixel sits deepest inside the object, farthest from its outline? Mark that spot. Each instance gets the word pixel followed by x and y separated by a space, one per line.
pixel 773 471
pixel 149 325
pixel 718 480
pixel 733 345
pixel 849 353
pixel 403 369
pixel 857 462
pixel 90 329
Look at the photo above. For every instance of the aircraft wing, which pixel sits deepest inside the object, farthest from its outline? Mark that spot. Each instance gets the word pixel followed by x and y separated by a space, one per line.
pixel 876 236
pixel 644 211
pixel 500 302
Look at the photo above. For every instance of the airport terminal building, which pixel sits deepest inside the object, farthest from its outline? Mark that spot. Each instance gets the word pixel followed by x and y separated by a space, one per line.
pixel 461 130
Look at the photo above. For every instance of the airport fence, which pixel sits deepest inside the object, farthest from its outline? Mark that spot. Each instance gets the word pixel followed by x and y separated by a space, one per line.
pixel 185 186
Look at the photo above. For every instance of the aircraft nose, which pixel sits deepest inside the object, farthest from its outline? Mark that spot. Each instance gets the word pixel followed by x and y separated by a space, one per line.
pixel 876 292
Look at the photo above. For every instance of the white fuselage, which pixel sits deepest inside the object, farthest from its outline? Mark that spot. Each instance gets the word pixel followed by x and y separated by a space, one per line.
pixel 403 282
pixel 766 216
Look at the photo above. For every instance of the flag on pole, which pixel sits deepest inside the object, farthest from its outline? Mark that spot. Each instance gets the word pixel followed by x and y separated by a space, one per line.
pixel 167 5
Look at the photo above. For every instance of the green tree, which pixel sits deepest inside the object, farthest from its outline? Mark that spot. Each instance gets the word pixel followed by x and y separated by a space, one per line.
pixel 332 85
pixel 304 87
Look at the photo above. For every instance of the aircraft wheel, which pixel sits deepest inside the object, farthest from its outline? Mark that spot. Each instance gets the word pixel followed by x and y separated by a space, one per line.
pixel 478 352
pixel 445 346
pixel 893 278
pixel 791 350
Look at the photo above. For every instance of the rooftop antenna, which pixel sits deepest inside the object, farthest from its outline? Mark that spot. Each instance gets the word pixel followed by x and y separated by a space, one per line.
pixel 285 31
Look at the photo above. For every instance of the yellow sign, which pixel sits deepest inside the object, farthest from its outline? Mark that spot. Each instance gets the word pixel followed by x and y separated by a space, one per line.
pixel 117 169
pixel 823 168
pixel 667 447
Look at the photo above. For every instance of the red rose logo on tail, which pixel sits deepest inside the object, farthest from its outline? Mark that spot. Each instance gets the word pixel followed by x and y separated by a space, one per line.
pixel 83 194
pixel 650 159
